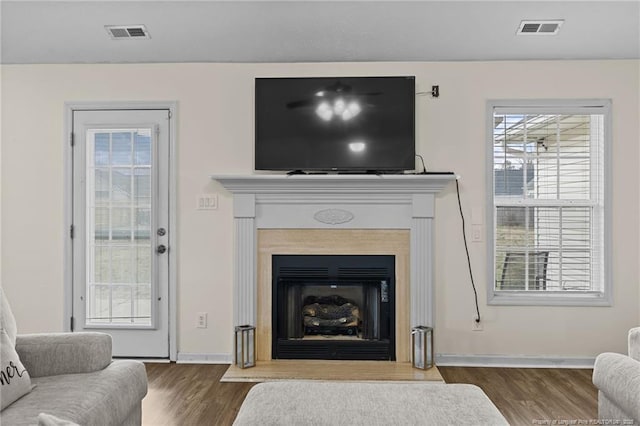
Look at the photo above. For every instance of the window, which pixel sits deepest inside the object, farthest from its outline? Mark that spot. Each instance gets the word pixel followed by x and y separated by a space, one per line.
pixel 548 202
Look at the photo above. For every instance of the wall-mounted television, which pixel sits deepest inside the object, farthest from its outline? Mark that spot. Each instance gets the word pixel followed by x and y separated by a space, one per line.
pixel 349 124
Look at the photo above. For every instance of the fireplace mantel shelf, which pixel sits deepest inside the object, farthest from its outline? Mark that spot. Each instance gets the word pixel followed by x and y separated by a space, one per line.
pixel 334 183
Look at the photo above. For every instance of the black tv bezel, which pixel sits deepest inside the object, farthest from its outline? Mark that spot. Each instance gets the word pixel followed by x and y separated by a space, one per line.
pixel 355 170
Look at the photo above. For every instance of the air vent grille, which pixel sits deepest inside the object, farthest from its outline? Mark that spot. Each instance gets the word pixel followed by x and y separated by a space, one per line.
pixel 363 272
pixel 530 28
pixel 546 27
pixel 123 32
pixel 302 272
pixel 333 349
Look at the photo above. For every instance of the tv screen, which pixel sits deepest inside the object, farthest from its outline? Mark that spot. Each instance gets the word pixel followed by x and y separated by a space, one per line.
pixel 335 124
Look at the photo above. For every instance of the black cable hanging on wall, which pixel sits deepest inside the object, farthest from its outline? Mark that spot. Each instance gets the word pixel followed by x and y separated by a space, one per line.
pixel 466 248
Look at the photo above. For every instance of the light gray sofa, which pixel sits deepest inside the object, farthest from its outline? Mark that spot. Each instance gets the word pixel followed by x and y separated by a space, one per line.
pixel 76 381
pixel 617 378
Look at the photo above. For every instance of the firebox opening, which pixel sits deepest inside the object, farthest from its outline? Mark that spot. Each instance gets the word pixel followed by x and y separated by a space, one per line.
pixel 331 315
pixel 333 307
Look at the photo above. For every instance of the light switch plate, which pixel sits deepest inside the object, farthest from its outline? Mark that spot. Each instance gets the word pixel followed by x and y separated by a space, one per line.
pixel 207 202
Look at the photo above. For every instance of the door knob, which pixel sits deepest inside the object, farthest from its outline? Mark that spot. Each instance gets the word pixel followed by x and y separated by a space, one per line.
pixel 161 249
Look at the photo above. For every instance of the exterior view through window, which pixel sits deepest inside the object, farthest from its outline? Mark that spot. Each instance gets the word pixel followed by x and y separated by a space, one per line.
pixel 119 247
pixel 548 200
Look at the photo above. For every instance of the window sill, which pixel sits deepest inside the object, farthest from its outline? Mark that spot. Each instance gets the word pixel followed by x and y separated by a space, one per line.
pixel 519 298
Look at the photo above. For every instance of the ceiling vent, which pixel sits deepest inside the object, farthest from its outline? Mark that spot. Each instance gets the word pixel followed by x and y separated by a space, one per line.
pixel 547 27
pixel 121 32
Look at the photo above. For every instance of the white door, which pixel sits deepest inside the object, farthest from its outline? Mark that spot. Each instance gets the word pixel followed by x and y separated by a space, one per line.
pixel 120 228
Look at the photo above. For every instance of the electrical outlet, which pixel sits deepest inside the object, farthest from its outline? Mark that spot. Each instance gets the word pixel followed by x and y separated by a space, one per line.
pixel 202 320
pixel 476 325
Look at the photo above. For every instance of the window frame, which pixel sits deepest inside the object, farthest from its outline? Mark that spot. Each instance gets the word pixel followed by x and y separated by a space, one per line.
pixel 550 298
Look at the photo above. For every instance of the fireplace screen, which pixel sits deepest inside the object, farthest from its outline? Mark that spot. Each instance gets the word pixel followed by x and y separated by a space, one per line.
pixel 333 307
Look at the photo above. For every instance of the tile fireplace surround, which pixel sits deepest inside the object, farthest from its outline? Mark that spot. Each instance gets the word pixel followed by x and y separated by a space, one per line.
pixel 360 214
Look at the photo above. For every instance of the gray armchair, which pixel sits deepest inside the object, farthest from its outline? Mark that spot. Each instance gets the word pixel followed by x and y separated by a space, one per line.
pixel 617 378
pixel 76 381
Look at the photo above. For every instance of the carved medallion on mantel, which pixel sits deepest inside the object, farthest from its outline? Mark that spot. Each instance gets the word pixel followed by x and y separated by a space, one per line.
pixel 333 216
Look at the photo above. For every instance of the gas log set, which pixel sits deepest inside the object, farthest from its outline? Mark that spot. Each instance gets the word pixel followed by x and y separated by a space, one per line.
pixel 331 315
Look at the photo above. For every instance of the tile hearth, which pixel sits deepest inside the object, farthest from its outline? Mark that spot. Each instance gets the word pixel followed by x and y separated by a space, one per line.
pixel 267 371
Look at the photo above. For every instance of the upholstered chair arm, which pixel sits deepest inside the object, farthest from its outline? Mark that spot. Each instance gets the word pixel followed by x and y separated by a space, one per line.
pixel 634 343
pixel 52 354
pixel 618 377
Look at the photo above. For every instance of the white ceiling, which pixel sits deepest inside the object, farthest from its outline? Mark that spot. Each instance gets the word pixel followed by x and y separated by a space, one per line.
pixel 314 31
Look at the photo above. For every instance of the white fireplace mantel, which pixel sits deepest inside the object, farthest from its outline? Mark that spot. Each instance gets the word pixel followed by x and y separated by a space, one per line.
pixel 334 202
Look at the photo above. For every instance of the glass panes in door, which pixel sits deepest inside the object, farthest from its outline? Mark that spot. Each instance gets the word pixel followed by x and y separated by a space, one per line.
pixel 118 222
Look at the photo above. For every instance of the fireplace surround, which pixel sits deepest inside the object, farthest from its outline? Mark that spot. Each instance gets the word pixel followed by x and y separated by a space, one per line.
pixel 290 214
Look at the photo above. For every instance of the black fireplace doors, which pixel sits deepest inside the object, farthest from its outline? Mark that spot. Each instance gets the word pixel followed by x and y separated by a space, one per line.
pixel 333 307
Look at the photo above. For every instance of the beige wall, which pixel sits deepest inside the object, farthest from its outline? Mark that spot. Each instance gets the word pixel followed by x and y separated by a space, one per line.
pixel 215 136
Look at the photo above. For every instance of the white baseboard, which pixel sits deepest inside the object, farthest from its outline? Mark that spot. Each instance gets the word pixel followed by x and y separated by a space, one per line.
pixel 444 360
pixel 195 358
pixel 148 360
pixel 514 361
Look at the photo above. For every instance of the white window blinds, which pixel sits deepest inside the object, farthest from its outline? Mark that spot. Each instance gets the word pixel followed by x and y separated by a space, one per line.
pixel 548 183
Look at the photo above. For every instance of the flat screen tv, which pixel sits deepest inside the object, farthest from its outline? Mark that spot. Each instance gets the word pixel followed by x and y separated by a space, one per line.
pixel 348 124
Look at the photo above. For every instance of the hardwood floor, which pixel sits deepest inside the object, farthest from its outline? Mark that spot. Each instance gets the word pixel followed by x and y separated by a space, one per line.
pixel 524 395
pixel 189 394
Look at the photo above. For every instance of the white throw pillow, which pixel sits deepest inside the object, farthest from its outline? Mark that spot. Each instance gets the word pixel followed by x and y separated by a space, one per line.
pixel 14 378
pixel 45 419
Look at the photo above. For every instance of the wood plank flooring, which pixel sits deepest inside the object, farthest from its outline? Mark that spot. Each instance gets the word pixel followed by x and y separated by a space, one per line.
pixel 192 395
pixel 526 394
